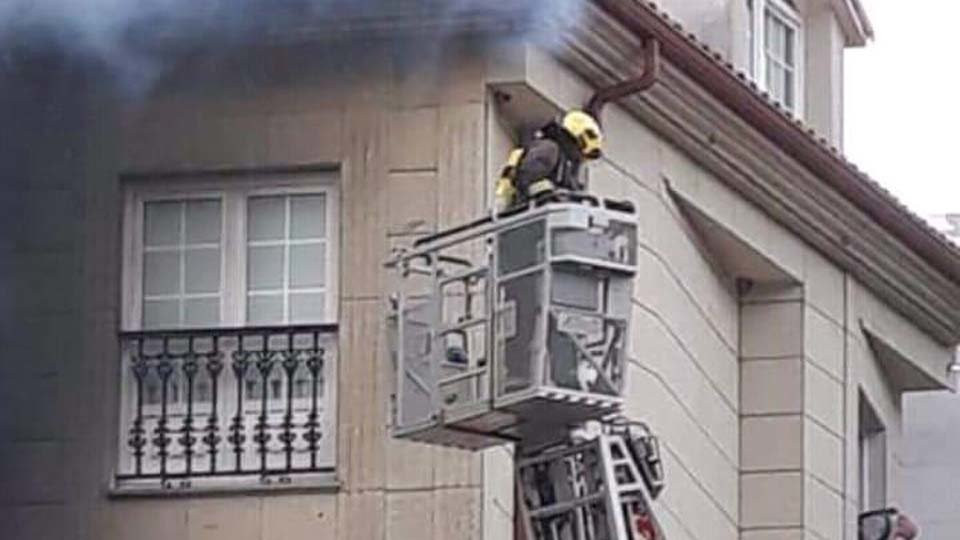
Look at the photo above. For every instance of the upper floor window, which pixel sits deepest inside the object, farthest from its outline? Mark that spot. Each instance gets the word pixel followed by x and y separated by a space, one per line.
pixel 229 312
pixel 776 46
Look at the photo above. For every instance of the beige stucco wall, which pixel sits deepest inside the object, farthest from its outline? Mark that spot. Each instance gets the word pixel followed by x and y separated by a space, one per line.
pixel 417 141
pixel 723 24
pixel 755 395
pixel 396 131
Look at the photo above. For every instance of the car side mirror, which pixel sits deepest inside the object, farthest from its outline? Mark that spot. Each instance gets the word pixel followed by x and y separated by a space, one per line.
pixel 878 525
pixel 887 524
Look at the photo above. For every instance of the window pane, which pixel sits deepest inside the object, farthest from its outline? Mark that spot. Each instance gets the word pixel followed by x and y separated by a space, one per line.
pixel 780 44
pixel 308 265
pixel 252 386
pixel 776 82
pixel 201 312
pixel 161 223
pixel 265 309
pixel 768 37
pixel 161 273
pixel 771 77
pixel 151 388
pixel 307 307
pixel 788 44
pixel 788 88
pixel 202 271
pixel 161 314
pixel 778 34
pixel 201 388
pixel 308 216
pixel 276 388
pixel 174 386
pixel 752 39
pixel 265 268
pixel 779 40
pixel 303 383
pixel 203 222
pixel 266 218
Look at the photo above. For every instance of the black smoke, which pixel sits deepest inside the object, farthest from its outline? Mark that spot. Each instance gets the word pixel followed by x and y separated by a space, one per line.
pixel 133 38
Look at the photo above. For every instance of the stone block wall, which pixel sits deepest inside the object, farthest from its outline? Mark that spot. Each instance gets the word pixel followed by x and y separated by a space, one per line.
pixel 753 390
pixel 409 147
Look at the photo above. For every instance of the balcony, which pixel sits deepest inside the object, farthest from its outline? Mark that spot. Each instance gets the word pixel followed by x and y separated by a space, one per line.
pixel 214 408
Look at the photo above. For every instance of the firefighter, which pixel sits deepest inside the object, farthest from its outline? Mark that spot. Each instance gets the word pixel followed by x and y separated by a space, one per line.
pixel 551 160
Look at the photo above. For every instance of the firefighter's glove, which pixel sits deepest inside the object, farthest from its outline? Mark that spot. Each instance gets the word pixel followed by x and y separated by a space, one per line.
pixel 505 194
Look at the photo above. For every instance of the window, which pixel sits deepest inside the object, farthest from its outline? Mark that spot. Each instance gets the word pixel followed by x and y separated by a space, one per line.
pixel 776 52
pixel 229 307
pixel 181 263
pixel 873 459
pixel 231 253
pixel 287 256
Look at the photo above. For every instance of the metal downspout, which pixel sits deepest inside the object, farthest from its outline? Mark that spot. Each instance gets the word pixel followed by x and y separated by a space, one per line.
pixel 649 77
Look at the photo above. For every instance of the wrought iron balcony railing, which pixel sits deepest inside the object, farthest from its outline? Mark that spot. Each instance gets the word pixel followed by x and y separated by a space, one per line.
pixel 226 402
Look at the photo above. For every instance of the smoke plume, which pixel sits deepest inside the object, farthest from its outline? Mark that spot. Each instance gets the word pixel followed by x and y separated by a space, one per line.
pixel 132 37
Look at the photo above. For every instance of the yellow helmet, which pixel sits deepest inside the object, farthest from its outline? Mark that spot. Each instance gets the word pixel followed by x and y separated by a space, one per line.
pixel 586 131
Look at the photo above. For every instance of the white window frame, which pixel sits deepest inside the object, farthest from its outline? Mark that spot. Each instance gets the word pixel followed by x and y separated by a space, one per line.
pixel 789 16
pixel 234 193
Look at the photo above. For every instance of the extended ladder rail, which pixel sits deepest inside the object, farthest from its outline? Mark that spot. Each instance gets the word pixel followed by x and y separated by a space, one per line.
pixel 595 489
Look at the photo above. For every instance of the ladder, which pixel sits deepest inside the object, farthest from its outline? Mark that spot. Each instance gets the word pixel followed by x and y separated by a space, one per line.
pixel 597 487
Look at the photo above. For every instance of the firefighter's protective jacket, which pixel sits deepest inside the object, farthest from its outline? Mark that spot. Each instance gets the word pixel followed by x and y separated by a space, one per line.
pixel 548 162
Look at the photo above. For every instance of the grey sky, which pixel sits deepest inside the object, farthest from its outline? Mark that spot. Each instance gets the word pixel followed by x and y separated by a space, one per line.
pixel 902 106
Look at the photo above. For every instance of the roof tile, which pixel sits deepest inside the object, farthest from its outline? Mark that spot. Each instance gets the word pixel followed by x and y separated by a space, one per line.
pixel 750 84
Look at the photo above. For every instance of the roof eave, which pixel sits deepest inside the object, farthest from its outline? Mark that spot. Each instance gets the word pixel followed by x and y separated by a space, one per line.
pixel 721 80
pixel 813 151
pixel 857 28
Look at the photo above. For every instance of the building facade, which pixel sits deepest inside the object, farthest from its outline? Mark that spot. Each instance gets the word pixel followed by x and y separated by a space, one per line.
pixel 212 249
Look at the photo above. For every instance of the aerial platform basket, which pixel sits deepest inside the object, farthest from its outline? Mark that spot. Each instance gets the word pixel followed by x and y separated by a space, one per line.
pixel 513 327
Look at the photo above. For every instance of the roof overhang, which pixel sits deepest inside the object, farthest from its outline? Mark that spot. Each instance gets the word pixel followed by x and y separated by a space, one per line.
pixel 906 372
pixel 722 120
pixel 857 29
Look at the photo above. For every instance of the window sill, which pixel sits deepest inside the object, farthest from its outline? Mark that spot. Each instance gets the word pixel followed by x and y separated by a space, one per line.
pixel 238 485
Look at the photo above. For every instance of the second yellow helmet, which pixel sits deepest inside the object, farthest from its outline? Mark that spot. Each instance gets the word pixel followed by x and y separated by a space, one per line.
pixel 586 131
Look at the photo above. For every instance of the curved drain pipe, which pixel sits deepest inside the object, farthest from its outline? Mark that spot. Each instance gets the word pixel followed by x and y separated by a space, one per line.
pixel 616 92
